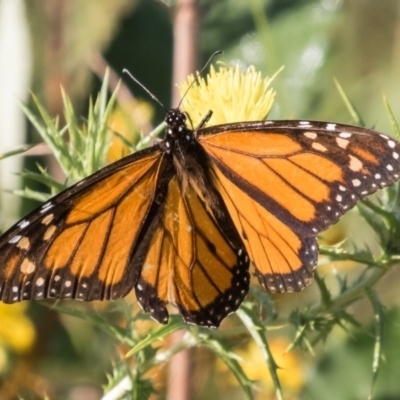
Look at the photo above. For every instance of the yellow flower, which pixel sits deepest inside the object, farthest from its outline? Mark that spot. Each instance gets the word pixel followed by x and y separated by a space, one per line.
pixel 16 329
pixel 127 121
pixel 232 95
pixel 291 371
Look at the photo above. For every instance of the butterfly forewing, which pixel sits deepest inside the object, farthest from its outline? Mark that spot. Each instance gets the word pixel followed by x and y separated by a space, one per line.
pixel 79 244
pixel 286 181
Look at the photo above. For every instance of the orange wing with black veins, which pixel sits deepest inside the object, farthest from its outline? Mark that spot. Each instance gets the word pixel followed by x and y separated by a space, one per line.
pixel 192 263
pixel 283 182
pixel 80 244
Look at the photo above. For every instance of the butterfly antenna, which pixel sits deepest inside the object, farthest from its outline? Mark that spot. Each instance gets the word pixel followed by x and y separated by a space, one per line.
pixel 125 71
pixel 199 74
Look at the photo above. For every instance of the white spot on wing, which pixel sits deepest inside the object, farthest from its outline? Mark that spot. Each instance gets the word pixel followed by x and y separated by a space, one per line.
pixel 355 164
pixel 345 135
pixel 330 127
pixel 310 135
pixel 39 282
pixel 27 267
pixel 47 219
pixel 24 243
pixel 23 224
pixel 342 143
pixel 46 207
pixel 15 239
pixel 49 232
pixel 319 147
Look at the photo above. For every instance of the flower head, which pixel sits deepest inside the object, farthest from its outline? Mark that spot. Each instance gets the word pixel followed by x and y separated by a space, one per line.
pixel 232 95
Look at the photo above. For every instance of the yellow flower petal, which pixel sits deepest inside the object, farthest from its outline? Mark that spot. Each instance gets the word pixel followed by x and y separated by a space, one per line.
pixel 126 122
pixel 232 95
pixel 16 329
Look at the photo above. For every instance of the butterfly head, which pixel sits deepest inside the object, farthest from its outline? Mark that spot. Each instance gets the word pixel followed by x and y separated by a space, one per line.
pixel 175 118
pixel 177 129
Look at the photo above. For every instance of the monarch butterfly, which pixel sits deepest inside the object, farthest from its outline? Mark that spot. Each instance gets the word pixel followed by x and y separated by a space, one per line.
pixel 182 220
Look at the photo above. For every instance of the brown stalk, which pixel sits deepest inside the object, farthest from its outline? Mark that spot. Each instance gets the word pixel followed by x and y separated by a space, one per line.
pixel 186 25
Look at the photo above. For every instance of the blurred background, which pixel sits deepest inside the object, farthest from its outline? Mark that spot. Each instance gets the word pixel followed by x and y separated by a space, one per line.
pixel 46 44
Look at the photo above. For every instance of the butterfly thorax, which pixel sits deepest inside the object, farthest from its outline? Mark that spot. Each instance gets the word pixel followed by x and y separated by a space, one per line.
pixel 188 157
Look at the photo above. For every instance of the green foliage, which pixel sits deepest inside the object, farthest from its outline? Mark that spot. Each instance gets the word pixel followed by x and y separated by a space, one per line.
pixel 15 152
pixel 83 151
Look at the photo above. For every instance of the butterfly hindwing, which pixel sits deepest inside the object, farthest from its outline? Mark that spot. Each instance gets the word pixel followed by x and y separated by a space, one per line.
pixel 79 244
pixel 283 259
pixel 293 179
pixel 192 263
